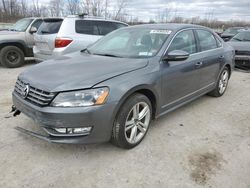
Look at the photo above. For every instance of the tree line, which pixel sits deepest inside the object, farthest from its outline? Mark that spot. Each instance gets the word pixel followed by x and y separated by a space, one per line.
pixel 12 10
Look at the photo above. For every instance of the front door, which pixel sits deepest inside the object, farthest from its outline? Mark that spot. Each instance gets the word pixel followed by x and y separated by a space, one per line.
pixel 181 79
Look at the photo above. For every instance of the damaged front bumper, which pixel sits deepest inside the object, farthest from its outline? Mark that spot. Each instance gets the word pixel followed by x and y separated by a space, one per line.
pixel 242 61
pixel 81 125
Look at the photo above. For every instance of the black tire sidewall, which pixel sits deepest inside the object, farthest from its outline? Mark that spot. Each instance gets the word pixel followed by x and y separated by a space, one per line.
pixel 119 137
pixel 3 57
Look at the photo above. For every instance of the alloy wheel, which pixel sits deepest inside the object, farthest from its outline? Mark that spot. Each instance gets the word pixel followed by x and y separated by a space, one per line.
pixel 137 122
pixel 223 81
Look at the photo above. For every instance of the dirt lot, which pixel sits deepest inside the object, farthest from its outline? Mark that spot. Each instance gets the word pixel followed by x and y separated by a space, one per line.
pixel 204 144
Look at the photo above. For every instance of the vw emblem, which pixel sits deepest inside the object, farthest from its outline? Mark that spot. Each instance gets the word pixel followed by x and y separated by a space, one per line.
pixel 26 91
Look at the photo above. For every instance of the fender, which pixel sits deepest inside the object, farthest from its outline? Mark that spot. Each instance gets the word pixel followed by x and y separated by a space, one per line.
pixel 134 90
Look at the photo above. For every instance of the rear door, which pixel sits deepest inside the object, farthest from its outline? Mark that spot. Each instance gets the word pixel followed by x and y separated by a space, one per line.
pixel 181 79
pixel 46 35
pixel 213 56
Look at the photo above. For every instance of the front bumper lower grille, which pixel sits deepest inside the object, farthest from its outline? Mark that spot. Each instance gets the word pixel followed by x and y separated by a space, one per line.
pixel 34 95
pixel 247 53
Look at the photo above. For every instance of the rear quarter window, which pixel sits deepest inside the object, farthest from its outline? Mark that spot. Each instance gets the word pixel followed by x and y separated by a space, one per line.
pixel 87 27
pixel 107 27
pixel 49 27
pixel 91 27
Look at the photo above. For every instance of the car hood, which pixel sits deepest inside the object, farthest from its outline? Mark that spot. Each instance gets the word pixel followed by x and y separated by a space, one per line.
pixel 78 71
pixel 240 46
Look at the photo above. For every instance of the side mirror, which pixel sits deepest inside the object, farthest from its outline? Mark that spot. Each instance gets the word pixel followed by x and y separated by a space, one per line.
pixel 176 55
pixel 33 30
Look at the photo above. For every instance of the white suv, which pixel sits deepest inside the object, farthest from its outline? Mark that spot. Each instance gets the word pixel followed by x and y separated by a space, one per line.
pixel 59 36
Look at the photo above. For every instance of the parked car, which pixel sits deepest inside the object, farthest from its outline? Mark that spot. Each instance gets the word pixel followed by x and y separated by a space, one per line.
pixel 113 89
pixel 231 32
pixel 241 44
pixel 17 42
pixel 61 36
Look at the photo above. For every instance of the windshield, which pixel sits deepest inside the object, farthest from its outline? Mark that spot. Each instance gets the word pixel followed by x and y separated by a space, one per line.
pixel 244 36
pixel 21 25
pixel 232 31
pixel 131 43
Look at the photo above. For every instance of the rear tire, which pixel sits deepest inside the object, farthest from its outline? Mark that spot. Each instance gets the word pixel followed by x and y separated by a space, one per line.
pixel 222 84
pixel 132 122
pixel 11 57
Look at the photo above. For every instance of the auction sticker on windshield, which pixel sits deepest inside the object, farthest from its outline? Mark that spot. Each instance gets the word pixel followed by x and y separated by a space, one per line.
pixel 163 31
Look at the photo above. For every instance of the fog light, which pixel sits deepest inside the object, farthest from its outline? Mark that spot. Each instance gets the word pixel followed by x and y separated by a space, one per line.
pixel 83 130
pixel 61 130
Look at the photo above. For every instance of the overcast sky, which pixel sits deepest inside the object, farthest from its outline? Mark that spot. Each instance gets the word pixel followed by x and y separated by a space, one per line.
pixel 220 9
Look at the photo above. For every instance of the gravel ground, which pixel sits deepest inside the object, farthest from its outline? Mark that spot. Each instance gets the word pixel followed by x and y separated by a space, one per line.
pixel 203 144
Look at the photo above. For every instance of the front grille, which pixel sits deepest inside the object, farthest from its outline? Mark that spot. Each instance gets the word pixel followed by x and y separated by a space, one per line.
pixel 36 96
pixel 237 52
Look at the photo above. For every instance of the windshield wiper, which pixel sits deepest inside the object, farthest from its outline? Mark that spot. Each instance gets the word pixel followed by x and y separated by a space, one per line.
pixel 109 55
pixel 12 29
pixel 86 50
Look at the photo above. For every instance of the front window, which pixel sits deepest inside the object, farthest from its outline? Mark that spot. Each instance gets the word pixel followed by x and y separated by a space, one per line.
pixel 184 41
pixel 244 36
pixel 131 43
pixel 21 25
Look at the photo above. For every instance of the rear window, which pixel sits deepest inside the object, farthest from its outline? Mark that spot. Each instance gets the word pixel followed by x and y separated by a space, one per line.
pixel 49 27
pixel 91 27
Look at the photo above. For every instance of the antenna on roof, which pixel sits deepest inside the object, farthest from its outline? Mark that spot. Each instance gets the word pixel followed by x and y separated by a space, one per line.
pixel 82 15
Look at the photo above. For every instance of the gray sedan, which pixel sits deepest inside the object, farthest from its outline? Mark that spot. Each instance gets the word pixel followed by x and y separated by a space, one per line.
pixel 112 90
pixel 241 44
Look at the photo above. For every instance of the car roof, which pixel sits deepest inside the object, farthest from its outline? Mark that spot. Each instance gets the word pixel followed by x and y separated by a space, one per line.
pixel 169 26
pixel 94 18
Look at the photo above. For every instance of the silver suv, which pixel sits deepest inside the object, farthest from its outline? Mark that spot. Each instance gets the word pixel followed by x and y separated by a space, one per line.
pixel 59 36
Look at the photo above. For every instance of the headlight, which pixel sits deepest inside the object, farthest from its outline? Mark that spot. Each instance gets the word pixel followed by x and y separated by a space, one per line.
pixel 81 98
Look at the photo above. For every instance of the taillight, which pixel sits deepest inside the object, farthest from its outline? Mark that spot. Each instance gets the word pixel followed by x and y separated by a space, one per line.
pixel 62 42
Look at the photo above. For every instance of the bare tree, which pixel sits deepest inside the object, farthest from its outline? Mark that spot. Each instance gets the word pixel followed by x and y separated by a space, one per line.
pixel 73 6
pixel 120 6
pixel 56 7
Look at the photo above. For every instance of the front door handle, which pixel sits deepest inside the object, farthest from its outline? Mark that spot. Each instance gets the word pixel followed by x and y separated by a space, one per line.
pixel 199 64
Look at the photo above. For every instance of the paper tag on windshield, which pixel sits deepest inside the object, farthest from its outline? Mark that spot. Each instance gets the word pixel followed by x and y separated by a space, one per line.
pixel 165 32
pixel 145 54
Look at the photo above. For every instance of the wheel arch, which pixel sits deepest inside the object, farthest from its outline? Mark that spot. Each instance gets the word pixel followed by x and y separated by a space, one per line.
pixel 146 90
pixel 20 44
pixel 229 68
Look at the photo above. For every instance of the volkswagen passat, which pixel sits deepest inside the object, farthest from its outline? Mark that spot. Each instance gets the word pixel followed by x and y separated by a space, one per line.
pixel 113 89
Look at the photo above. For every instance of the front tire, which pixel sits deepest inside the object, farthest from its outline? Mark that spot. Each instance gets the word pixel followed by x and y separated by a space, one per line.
pixel 11 57
pixel 222 84
pixel 132 122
